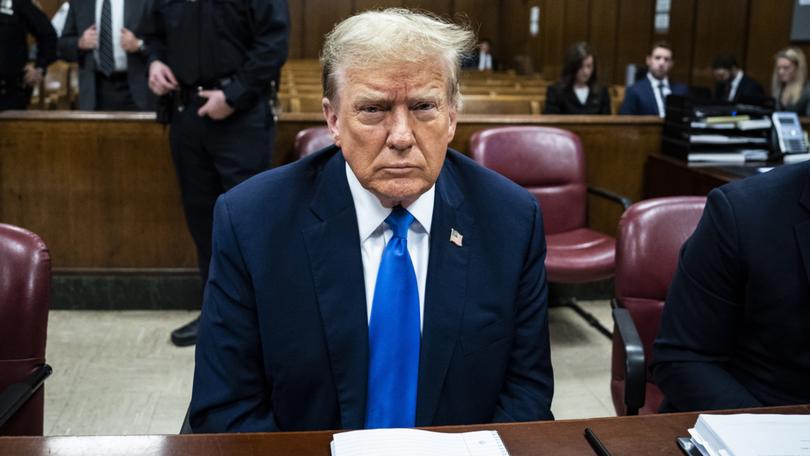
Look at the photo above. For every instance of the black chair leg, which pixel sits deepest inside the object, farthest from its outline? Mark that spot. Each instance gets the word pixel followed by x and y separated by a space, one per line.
pixel 587 316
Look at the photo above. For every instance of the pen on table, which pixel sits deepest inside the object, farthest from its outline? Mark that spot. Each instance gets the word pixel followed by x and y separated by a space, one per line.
pixel 596 444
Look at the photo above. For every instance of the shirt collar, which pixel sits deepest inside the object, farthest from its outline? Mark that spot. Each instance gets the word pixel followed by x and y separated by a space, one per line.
pixel 371 213
pixel 655 81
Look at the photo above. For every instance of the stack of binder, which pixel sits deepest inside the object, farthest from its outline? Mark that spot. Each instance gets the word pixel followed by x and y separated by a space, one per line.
pixel 712 131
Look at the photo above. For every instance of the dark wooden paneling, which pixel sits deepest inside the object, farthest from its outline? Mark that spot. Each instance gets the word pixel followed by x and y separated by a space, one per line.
pixel 482 15
pixel 635 34
pixel 513 38
pixel 721 27
pixel 768 32
pixel 443 8
pixel 681 38
pixel 576 22
pixel 552 37
pixel 602 36
pixel 320 16
pixel 363 5
pixel 297 30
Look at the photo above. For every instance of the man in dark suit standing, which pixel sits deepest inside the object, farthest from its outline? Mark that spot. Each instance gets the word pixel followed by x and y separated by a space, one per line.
pixel 385 281
pixel 481 59
pixel 102 36
pixel 731 83
pixel 648 96
pixel 736 325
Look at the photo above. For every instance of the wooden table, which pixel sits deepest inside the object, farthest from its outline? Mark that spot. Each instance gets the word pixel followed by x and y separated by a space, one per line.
pixel 668 176
pixel 639 435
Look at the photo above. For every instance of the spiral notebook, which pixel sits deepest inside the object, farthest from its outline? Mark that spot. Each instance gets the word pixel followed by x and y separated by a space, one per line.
pixel 409 442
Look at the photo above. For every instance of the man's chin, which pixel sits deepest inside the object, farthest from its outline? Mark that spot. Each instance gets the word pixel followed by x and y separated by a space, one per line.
pixel 404 193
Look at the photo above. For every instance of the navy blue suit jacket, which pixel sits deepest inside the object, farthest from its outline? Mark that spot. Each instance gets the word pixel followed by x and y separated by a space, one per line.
pixel 639 98
pixel 736 325
pixel 283 339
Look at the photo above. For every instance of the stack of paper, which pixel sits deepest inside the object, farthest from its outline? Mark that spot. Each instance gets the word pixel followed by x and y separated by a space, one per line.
pixel 410 442
pixel 752 435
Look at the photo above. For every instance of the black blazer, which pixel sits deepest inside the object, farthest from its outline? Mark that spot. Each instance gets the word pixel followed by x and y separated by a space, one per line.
pixel 735 331
pixel 747 89
pixel 563 100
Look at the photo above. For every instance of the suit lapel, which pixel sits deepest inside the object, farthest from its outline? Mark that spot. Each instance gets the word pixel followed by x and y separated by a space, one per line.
pixel 652 105
pixel 802 230
pixel 444 295
pixel 333 248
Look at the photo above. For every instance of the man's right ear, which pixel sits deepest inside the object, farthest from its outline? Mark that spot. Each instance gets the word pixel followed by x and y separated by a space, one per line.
pixel 330 113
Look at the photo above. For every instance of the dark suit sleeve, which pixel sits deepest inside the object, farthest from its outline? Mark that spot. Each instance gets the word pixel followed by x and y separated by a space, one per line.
pixel 229 393
pixel 69 40
pixel 630 104
pixel 39 26
pixel 154 33
pixel 553 101
pixel 703 312
pixel 529 384
pixel 271 30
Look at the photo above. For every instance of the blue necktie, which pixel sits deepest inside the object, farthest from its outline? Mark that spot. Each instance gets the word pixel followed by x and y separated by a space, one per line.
pixel 394 333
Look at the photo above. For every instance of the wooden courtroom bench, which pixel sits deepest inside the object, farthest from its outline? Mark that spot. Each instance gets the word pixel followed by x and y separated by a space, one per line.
pixel 101 191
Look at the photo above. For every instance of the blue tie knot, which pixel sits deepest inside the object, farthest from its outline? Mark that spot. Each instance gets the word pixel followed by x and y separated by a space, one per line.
pixel 400 220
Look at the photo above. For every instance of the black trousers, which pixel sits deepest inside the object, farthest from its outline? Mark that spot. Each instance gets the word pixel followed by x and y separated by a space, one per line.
pixel 210 157
pixel 113 94
pixel 12 93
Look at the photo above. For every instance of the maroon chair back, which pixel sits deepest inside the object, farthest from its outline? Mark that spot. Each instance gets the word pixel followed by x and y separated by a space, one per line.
pixel 25 282
pixel 548 162
pixel 311 140
pixel 650 237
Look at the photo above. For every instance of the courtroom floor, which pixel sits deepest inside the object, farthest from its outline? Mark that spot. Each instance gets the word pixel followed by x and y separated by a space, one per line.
pixel 115 372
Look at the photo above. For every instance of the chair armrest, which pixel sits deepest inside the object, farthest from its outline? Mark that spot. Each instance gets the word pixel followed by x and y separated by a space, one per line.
pixel 16 394
pixel 635 369
pixel 607 194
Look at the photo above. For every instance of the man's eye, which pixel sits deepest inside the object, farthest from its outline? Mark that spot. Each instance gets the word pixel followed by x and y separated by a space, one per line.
pixel 371 109
pixel 424 106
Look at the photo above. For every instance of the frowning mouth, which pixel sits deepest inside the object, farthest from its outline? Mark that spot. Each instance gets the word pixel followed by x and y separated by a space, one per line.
pixel 398 169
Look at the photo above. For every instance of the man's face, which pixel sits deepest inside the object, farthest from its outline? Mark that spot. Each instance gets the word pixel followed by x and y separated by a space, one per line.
pixel 393 125
pixel 721 74
pixel 659 62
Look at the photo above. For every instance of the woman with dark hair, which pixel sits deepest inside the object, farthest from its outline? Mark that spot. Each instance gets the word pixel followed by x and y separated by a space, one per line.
pixel 578 92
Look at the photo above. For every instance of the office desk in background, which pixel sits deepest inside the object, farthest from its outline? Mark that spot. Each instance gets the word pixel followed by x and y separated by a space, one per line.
pixel 668 176
pixel 637 435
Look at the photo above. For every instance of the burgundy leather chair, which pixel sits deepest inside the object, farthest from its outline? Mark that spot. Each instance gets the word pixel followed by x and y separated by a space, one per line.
pixel 25 280
pixel 550 164
pixel 311 140
pixel 650 237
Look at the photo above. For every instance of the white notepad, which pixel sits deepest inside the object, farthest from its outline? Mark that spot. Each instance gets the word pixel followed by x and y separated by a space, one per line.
pixel 410 442
pixel 748 434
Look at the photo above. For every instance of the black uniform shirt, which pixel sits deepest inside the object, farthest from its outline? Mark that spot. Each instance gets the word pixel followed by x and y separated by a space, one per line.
pixel 204 41
pixel 18 18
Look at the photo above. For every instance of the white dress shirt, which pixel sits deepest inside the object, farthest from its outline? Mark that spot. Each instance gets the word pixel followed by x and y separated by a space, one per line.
pixel 662 111
pixel 734 85
pixel 484 61
pixel 117 10
pixel 582 94
pixel 375 234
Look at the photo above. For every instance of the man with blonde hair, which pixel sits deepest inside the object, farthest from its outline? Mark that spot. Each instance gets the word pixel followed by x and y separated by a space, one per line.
pixel 385 281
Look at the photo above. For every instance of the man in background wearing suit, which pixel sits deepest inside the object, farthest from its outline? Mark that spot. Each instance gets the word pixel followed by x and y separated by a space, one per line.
pixel 386 281
pixel 648 96
pixel 731 83
pixel 101 36
pixel 735 331
pixel 482 59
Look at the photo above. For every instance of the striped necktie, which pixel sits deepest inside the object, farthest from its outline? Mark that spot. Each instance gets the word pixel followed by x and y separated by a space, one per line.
pixel 106 56
pixel 394 333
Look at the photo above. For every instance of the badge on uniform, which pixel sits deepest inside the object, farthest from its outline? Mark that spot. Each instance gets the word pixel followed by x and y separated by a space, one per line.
pixel 455 237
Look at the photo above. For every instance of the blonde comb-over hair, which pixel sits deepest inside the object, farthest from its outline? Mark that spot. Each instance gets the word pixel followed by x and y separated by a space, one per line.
pixel 373 39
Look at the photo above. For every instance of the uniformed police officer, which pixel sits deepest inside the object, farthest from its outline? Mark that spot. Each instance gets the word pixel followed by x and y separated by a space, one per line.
pixel 216 61
pixel 18 18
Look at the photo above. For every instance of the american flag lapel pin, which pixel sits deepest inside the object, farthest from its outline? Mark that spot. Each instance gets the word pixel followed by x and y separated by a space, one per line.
pixel 455 237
